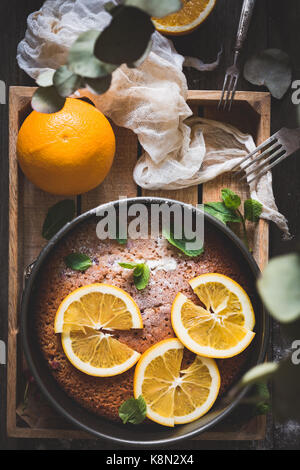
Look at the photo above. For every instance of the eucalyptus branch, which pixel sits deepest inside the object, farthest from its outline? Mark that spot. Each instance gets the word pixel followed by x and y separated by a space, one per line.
pixel 96 54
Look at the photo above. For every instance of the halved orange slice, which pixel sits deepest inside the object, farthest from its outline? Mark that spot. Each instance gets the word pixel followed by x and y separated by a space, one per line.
pixel 220 329
pixel 87 318
pixel 174 395
pixel 191 15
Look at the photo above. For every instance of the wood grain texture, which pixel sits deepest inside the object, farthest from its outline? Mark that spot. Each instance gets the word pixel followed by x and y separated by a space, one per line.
pixel 252 116
pixel 28 207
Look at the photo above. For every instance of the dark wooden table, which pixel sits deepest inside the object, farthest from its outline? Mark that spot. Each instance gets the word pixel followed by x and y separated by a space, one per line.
pixel 275 24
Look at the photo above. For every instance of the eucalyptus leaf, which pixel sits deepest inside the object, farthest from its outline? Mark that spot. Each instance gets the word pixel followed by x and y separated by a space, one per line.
pixel 81 59
pixel 110 7
pixel 139 62
pixel 45 78
pixel 57 216
pixel 65 81
pixel 47 100
pixel 259 373
pixel 78 261
pixel 286 391
pixel 126 38
pixel 279 287
pixel 271 68
pixel 263 399
pixel 98 85
pixel 157 8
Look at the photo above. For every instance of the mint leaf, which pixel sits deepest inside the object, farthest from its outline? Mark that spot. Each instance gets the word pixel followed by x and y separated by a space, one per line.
pixel 133 410
pixel 128 265
pixel 121 241
pixel 78 261
pixel 230 199
pixel 181 244
pixel 141 276
pixel 57 216
pixel 221 212
pixel 263 405
pixel 141 273
pixel 252 210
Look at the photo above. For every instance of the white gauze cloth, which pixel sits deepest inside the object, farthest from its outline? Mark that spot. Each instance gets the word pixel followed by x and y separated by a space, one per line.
pixel 151 101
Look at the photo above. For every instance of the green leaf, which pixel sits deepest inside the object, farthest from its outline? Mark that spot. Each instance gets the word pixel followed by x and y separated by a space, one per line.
pixel 122 241
pixel 126 38
pixel 47 100
pixel 271 68
pixel 81 59
pixel 230 199
pixel 252 210
pixel 57 216
pixel 110 7
pixel 143 57
pixel 181 244
pixel 221 212
pixel 133 410
pixel 286 391
pixel 128 265
pixel 45 78
pixel 141 276
pixel 259 373
pixel 141 273
pixel 78 261
pixel 279 287
pixel 263 399
pixel 157 8
pixel 98 85
pixel 121 231
pixel 65 81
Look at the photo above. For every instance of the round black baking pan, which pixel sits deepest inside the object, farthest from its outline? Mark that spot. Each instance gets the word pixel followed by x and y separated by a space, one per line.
pixel 145 435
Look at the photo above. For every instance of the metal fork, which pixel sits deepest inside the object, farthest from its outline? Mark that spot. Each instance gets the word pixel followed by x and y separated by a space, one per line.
pixel 274 150
pixel 233 72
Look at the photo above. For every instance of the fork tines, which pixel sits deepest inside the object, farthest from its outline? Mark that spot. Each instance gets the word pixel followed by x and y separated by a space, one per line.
pixel 230 91
pixel 270 149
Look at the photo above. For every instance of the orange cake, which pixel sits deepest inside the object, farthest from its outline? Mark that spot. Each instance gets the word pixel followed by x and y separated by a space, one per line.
pixel 170 272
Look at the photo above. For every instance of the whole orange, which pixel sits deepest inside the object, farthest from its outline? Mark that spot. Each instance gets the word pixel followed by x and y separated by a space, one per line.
pixel 68 152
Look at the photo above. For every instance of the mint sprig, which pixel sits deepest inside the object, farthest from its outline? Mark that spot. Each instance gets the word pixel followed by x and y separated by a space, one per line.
pixel 228 210
pixel 78 261
pixel 181 243
pixel 133 410
pixel 221 212
pixel 141 274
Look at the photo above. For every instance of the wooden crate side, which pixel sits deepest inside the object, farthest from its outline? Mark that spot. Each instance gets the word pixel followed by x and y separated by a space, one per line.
pixel 13 274
pixel 258 234
pixel 28 206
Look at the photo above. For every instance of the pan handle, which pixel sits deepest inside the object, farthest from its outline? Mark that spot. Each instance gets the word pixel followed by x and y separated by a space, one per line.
pixel 27 271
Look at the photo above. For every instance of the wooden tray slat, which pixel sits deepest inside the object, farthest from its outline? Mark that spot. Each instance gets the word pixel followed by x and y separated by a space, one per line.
pixel 28 207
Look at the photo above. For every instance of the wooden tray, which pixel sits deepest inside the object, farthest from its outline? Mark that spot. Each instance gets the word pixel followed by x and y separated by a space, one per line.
pixel 27 209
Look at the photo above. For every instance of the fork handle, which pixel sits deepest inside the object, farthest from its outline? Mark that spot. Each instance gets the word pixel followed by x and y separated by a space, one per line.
pixel 246 14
